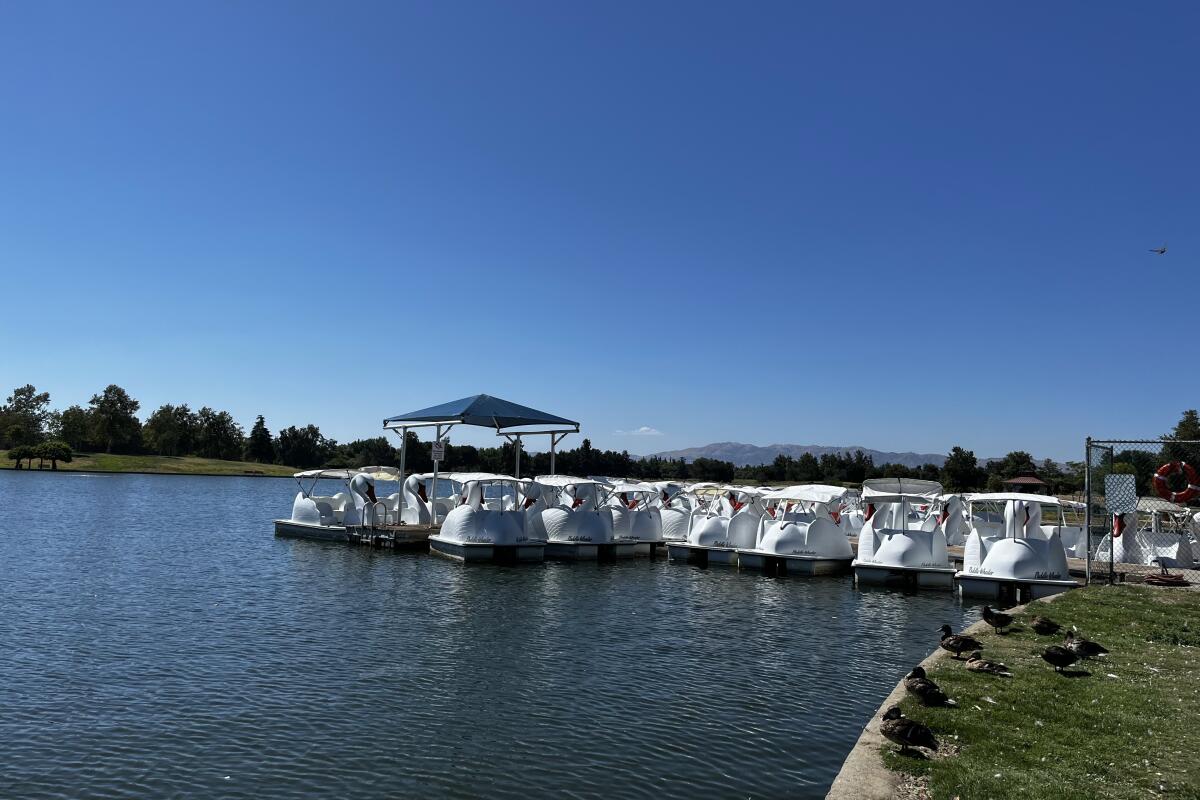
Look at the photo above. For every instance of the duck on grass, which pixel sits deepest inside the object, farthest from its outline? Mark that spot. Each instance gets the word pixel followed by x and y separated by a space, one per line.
pixel 1020 729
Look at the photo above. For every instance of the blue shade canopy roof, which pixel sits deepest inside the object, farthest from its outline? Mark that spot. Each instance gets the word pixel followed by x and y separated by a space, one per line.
pixel 480 409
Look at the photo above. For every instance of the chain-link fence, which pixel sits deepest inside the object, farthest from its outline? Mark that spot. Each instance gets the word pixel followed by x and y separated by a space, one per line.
pixel 1142 510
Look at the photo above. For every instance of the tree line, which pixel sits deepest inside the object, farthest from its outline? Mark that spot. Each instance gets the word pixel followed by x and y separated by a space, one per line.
pixel 29 429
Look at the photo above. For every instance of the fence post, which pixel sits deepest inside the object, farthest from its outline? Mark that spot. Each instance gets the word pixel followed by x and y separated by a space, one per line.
pixel 1087 510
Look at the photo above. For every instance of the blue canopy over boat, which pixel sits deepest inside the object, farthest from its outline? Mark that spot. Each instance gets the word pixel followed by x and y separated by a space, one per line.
pixel 481 409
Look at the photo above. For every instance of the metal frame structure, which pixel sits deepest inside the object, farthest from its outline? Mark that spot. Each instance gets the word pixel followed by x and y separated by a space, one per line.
pixel 557 428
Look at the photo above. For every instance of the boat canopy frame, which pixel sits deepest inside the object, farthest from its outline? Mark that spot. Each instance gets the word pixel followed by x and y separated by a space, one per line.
pixel 317 475
pixel 1002 499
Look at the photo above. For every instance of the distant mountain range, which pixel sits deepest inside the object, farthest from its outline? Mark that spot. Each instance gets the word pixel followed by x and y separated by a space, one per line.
pixel 749 455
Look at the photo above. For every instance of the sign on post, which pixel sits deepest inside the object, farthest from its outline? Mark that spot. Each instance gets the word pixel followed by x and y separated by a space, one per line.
pixel 1120 494
pixel 439 451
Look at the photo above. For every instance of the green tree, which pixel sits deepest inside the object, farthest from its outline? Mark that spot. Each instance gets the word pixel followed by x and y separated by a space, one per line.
pixel 1188 428
pixel 71 425
pixel 114 420
pixel 1015 463
pixel 218 435
pixel 259 446
pixel 21 453
pixel 171 430
pixel 24 415
pixel 53 451
pixel 711 469
pixel 1072 478
pixel 807 470
pixel 305 447
pixel 961 471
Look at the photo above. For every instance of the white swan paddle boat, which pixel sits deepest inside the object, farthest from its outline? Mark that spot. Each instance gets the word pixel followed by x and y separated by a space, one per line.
pixel 1160 533
pixel 893 546
pixel 352 511
pixel 724 519
pixel 488 523
pixel 803 537
pixel 1024 559
pixel 675 510
pixel 573 521
pixel 637 517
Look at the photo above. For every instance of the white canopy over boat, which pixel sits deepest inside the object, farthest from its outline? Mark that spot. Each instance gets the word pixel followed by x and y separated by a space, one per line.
pixel 380 473
pixel 565 480
pixel 336 474
pixel 894 490
pixel 811 493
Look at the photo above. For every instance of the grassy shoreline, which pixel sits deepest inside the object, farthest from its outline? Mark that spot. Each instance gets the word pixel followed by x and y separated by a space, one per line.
pixel 1117 727
pixel 160 465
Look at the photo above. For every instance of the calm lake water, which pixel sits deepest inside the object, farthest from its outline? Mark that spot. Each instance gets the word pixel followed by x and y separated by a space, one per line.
pixel 158 641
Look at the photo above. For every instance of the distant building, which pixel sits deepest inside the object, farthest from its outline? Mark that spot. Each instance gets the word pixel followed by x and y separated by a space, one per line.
pixel 1026 482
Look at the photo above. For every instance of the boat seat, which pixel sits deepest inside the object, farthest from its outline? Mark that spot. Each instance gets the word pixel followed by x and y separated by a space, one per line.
pixel 326 512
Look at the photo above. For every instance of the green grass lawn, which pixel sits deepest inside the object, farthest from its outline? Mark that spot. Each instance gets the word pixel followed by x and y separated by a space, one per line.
pixel 176 465
pixel 1127 729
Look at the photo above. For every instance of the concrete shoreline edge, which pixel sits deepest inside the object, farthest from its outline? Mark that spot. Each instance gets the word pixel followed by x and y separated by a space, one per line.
pixel 863 775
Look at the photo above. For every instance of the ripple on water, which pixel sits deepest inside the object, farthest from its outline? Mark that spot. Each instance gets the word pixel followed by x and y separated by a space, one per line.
pixel 159 641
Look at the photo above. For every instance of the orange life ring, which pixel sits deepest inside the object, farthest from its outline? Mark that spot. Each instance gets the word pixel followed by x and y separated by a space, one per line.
pixel 1177 468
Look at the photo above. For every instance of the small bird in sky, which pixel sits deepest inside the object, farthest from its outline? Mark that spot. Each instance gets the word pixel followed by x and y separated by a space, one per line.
pixel 1162 251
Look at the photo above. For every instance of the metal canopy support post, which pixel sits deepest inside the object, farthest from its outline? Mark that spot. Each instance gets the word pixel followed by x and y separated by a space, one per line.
pixel 433 489
pixel 515 440
pixel 403 433
pixel 403 453
pixel 555 438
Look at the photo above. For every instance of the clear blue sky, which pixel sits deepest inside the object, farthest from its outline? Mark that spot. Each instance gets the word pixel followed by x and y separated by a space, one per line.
pixel 905 226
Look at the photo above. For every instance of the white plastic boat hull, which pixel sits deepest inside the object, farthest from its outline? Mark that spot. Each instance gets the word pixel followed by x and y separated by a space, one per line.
pixel 791 564
pixel 683 551
pixel 474 552
pixel 921 577
pixel 573 551
pixel 290 529
pixel 590 551
pixel 619 550
pixel 993 588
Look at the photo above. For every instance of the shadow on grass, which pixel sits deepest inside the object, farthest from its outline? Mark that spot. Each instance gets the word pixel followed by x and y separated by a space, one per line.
pixel 914 754
pixel 1075 673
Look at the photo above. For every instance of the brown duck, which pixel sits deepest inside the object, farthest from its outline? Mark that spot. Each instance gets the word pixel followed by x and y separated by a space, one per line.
pixel 1044 626
pixel 958 642
pixel 1059 657
pixel 925 690
pixel 906 732
pixel 1084 648
pixel 996 619
pixel 975 663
